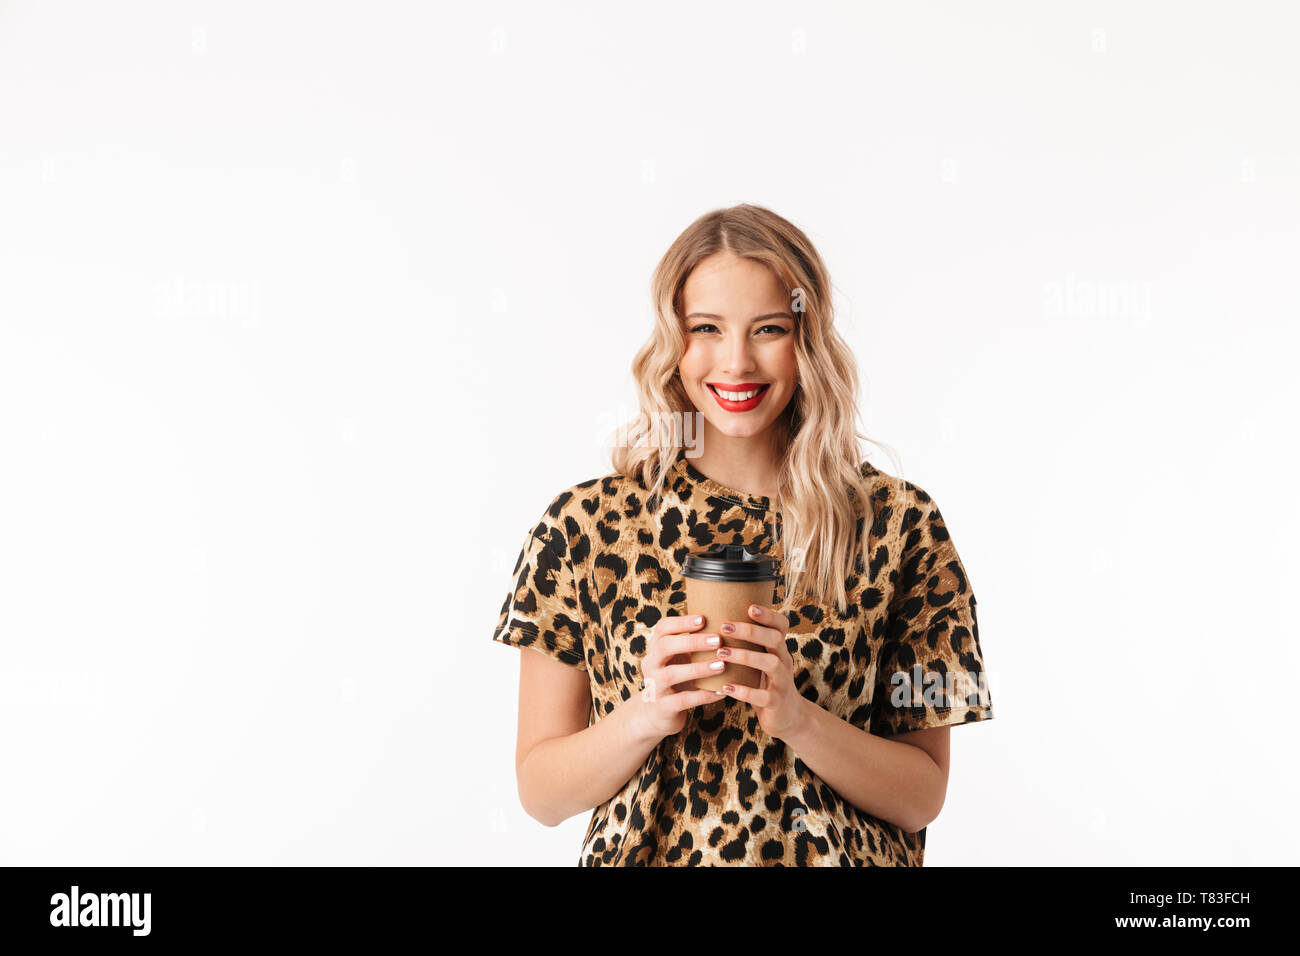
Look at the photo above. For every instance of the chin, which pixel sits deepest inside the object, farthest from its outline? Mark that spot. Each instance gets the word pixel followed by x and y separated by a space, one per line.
pixel 734 429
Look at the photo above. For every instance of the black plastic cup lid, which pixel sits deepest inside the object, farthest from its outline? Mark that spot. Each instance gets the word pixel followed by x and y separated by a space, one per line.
pixel 729 562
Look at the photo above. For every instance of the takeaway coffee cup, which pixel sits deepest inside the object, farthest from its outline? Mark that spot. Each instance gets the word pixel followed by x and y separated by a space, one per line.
pixel 721 584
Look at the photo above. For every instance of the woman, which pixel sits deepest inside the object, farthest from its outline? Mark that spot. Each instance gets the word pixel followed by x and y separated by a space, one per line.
pixel 841 756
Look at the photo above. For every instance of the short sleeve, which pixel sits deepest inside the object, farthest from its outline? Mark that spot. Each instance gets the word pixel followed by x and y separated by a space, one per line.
pixel 930 671
pixel 542 610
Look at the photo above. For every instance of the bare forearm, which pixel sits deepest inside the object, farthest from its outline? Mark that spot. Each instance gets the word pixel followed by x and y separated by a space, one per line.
pixel 567 775
pixel 888 779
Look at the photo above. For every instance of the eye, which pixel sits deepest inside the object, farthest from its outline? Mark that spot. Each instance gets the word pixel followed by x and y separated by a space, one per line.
pixel 778 329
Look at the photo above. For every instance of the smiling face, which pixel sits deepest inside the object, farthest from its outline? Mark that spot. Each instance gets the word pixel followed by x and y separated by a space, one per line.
pixel 739 367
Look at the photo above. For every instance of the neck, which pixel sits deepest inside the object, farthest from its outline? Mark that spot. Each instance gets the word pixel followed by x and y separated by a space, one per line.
pixel 750 465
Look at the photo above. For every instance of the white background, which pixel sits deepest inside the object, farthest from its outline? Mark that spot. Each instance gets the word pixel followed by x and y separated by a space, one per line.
pixel 308 310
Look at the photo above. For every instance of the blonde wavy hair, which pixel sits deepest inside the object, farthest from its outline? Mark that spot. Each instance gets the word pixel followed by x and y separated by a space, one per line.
pixel 823 490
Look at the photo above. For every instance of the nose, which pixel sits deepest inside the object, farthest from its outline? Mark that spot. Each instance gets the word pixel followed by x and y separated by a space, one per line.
pixel 740 358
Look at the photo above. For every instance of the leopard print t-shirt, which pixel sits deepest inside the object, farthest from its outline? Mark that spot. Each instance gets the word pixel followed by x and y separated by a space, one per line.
pixel 604 563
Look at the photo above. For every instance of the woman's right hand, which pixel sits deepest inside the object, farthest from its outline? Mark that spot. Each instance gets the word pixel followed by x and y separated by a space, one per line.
pixel 667 663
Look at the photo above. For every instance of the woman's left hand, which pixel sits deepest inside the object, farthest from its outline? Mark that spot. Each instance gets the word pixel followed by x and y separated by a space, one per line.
pixel 779 705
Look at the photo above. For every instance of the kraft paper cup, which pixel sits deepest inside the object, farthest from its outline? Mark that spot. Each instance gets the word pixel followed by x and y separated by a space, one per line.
pixel 721 584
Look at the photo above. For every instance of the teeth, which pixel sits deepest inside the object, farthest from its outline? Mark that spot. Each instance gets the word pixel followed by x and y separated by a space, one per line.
pixel 737 396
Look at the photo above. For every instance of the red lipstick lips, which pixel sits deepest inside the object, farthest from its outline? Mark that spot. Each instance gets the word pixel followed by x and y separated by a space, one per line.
pixel 743 406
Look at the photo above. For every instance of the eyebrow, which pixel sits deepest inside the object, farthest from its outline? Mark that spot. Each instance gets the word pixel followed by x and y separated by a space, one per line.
pixel 757 318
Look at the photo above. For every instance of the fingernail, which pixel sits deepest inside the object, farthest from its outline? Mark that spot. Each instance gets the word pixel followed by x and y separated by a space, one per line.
pixel 727 688
pixel 699 620
pixel 754 609
pixel 717 665
pixel 728 628
pixel 724 652
pixel 713 640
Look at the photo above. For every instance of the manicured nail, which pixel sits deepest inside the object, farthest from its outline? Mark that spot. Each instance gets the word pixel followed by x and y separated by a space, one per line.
pixel 713 640
pixel 717 665
pixel 727 688
pixel 728 628
pixel 724 652
pixel 754 609
pixel 699 620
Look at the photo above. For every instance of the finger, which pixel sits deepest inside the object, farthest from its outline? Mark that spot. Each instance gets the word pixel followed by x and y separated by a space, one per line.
pixel 688 643
pixel 680 673
pixel 753 633
pixel 678 623
pixel 768 617
pixel 674 626
pixel 687 699
pixel 771 617
pixel 758 697
pixel 656 653
pixel 760 660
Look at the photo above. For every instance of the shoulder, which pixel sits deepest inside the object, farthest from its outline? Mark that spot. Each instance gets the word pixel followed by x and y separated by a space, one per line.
pixel 572 509
pixel 904 508
pixel 890 488
pixel 894 492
